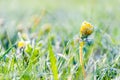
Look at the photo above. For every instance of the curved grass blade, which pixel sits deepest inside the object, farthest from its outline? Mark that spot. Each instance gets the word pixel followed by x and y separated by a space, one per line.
pixel 53 62
pixel 6 52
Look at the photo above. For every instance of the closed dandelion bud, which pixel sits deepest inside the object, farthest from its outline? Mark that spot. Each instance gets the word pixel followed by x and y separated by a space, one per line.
pixel 46 28
pixel 86 29
pixel 21 44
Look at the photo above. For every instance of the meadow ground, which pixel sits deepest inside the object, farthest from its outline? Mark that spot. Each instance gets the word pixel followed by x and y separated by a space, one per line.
pixel 42 40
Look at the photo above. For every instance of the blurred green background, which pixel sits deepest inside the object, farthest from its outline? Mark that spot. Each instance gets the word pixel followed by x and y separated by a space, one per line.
pixel 65 15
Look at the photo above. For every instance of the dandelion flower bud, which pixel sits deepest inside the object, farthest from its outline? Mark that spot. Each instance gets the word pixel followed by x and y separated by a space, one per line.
pixel 21 44
pixel 86 29
pixel 46 27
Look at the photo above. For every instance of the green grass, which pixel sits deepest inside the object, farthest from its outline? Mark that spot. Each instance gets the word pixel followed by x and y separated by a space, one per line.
pixel 52 51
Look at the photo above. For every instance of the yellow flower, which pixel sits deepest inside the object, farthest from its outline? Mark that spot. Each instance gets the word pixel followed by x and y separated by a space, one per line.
pixel 21 44
pixel 86 29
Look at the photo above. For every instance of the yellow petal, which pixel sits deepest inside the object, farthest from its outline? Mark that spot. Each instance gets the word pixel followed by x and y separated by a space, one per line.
pixel 21 44
pixel 86 28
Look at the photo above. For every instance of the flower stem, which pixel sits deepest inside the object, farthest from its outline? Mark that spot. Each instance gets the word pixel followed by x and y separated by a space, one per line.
pixel 81 59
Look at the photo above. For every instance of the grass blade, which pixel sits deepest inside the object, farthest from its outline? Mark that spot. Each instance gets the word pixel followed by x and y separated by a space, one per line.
pixel 6 52
pixel 53 62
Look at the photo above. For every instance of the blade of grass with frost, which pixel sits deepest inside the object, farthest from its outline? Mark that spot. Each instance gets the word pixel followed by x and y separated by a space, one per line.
pixel 7 51
pixel 78 74
pixel 53 62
